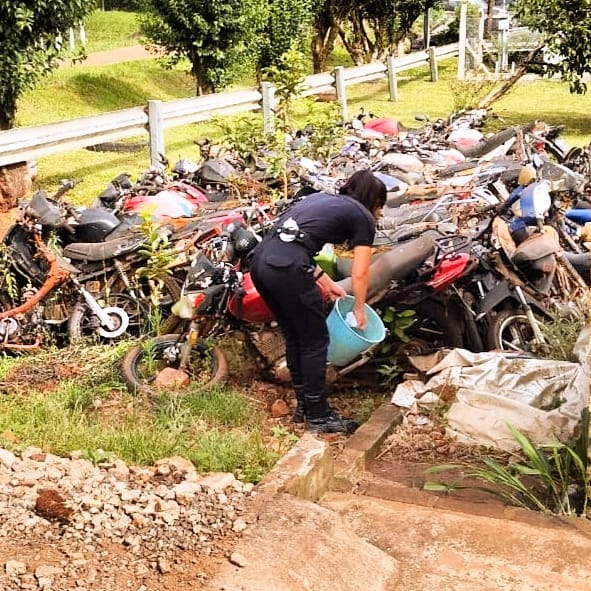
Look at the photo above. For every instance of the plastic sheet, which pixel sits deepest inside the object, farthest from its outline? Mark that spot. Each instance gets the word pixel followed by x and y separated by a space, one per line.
pixel 541 398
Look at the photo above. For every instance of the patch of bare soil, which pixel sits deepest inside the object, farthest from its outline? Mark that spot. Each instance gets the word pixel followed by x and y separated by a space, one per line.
pixel 354 396
pixel 420 443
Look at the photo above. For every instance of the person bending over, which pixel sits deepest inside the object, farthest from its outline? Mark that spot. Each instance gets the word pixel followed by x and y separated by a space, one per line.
pixel 285 274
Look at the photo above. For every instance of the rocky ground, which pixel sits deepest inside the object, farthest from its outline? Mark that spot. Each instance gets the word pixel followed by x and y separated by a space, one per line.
pixel 68 524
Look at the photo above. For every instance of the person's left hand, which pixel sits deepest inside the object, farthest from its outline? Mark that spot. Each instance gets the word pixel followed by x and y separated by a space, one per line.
pixel 335 291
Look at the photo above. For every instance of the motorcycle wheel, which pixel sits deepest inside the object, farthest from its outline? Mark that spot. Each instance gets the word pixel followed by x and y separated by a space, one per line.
pixel 171 291
pixel 143 363
pixel 83 324
pixel 434 328
pixel 510 331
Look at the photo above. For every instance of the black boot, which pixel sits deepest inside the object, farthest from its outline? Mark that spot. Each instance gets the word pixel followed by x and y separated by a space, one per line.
pixel 299 414
pixel 333 423
pixel 322 419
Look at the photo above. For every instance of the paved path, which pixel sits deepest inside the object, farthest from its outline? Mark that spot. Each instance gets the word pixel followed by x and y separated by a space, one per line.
pixel 112 56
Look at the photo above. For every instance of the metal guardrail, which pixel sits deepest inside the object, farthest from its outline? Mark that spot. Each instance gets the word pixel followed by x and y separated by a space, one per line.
pixel 30 143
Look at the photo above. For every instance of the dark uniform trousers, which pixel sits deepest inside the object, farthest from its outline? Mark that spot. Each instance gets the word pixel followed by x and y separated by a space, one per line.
pixel 283 274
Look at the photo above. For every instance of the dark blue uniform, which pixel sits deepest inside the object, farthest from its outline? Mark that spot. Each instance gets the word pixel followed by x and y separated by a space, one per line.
pixel 283 273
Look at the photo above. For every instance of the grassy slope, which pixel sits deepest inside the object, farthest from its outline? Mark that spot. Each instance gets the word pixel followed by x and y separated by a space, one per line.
pixel 83 90
pixel 106 30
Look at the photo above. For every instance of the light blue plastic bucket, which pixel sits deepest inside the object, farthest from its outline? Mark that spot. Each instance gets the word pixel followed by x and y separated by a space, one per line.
pixel 347 343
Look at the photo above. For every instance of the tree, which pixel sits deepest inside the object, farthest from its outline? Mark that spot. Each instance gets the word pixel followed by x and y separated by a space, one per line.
pixel 215 36
pixel 370 30
pixel 329 15
pixel 30 30
pixel 378 26
pixel 289 27
pixel 566 31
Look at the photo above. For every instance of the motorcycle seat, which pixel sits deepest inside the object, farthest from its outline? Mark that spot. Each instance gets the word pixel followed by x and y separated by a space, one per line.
pixel 102 251
pixel 534 248
pixel 394 265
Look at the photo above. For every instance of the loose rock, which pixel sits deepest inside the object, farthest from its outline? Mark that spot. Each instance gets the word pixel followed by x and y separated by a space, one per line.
pixel 82 511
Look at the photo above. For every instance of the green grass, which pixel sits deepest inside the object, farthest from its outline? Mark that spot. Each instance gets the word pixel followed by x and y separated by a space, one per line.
pixel 110 30
pixel 218 430
pixel 70 93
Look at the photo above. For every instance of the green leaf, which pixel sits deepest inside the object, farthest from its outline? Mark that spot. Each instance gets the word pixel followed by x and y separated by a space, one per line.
pixel 443 468
pixel 438 487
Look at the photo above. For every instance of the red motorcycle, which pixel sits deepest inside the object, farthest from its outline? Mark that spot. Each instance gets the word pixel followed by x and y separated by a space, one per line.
pixel 217 298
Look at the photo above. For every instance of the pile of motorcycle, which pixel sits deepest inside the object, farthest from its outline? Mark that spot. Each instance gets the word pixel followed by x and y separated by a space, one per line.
pixel 481 239
pixel 476 242
pixel 109 271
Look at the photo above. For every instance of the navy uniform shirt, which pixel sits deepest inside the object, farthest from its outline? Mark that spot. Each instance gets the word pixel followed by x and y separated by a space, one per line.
pixel 335 219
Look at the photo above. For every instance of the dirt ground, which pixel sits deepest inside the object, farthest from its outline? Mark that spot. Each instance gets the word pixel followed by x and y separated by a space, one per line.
pixel 108 566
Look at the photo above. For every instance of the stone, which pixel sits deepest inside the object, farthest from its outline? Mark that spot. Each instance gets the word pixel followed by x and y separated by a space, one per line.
pixel 238 559
pixel 217 481
pixel 16 181
pixel 178 464
pixel 279 408
pixel 7 458
pixel 170 377
pixel 239 525
pixel 15 567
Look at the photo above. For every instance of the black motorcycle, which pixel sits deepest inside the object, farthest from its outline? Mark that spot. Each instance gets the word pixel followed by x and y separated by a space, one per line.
pixel 39 288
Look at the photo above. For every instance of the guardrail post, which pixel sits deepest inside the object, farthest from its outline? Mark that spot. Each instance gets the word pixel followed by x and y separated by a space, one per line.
pixel 433 64
pixel 339 82
pixel 462 42
pixel 392 79
pixel 268 104
pixel 156 131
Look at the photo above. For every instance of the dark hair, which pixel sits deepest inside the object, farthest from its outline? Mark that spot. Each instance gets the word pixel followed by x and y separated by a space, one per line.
pixel 366 188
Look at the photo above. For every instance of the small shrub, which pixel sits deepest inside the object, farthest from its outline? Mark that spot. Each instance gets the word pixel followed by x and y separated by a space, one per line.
pixel 466 94
pixel 561 332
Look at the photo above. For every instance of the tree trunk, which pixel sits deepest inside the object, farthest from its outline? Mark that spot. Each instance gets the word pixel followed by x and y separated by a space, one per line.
pixel 202 84
pixel 497 93
pixel 7 112
pixel 322 46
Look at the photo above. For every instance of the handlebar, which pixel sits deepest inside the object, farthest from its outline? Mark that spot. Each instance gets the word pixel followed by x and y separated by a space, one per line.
pixel 65 186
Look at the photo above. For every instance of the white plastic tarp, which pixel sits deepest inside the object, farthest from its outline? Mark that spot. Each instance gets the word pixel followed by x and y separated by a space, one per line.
pixel 543 399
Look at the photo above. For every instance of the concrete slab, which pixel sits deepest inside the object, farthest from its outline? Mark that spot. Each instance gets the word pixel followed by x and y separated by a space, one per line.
pixel 400 539
pixel 442 549
pixel 297 545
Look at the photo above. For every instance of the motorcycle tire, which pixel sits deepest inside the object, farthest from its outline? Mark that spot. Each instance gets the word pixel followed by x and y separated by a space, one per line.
pixel 509 330
pixel 83 324
pixel 434 328
pixel 141 365
pixel 171 291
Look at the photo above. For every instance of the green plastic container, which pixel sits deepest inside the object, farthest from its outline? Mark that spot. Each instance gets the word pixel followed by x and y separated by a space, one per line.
pixel 327 261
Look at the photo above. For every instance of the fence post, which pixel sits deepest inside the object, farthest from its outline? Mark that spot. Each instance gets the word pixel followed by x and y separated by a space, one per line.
pixel 156 131
pixel 392 79
pixel 433 65
pixel 339 83
pixel 72 39
pixel 268 105
pixel 462 42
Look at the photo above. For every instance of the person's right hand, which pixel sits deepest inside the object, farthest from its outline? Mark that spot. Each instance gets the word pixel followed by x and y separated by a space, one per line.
pixel 360 316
